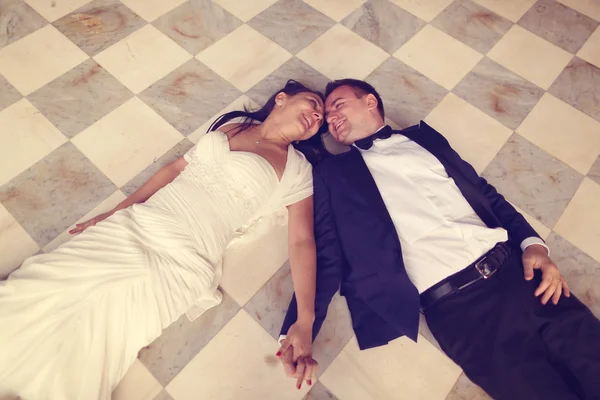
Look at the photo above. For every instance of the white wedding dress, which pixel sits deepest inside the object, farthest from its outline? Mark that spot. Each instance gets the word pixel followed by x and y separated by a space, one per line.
pixel 72 321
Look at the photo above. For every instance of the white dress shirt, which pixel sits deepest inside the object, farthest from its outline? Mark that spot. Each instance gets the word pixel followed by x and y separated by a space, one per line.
pixel 439 231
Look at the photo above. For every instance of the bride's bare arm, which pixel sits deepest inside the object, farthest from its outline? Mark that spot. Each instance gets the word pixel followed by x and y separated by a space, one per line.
pixel 160 179
pixel 303 260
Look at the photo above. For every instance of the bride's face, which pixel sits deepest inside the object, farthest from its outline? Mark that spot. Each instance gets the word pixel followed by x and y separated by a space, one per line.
pixel 300 116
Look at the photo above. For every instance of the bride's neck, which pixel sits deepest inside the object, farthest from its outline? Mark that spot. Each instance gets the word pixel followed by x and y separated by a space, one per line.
pixel 272 132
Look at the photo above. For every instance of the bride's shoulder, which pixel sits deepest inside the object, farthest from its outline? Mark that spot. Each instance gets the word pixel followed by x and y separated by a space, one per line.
pixel 229 130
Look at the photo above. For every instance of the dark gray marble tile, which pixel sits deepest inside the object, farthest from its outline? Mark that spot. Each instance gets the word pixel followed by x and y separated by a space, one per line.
pixel 55 192
pixel 559 24
pixel 594 172
pixel 319 392
pixel 189 96
pixel 8 93
pixel 183 340
pixel 464 389
pixel 82 96
pixel 17 20
pixel 292 24
pixel 533 180
pixel 472 24
pixel 99 24
pixel 292 69
pixel 499 93
pixel 579 85
pixel 269 305
pixel 163 395
pixel 581 271
pixel 196 24
pixel 383 23
pixel 408 96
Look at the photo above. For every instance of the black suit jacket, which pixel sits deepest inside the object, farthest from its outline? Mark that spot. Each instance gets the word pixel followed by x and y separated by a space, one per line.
pixel 358 249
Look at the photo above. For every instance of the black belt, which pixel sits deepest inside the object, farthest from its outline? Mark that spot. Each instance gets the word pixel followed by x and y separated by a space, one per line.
pixel 482 268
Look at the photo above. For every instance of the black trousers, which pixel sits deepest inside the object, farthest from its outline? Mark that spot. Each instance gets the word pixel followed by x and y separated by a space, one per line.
pixel 514 347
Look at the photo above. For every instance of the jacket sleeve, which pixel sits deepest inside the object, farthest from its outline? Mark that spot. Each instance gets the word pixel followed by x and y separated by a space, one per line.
pixel 330 259
pixel 510 219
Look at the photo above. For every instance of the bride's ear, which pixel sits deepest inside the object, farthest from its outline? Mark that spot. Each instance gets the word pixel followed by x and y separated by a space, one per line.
pixel 280 99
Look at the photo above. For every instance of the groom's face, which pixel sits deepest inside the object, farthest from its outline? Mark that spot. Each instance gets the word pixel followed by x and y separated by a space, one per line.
pixel 346 115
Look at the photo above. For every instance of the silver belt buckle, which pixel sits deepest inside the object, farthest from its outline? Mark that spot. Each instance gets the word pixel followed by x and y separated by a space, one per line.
pixel 483 267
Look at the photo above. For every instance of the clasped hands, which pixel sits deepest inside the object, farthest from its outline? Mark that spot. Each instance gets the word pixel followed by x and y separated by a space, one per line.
pixel 295 354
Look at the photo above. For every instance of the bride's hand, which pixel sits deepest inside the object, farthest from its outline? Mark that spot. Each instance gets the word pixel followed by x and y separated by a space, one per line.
pixel 296 353
pixel 84 225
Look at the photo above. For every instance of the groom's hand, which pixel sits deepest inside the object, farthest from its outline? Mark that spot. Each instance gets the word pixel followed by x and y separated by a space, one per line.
pixel 553 284
pixel 287 360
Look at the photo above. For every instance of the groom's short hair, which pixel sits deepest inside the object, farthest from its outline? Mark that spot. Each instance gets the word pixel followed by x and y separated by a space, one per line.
pixel 360 89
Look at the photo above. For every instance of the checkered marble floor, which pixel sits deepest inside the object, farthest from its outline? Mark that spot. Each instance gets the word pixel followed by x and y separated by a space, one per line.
pixel 96 96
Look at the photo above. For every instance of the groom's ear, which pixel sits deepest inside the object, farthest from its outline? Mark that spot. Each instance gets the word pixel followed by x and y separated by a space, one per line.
pixel 371 101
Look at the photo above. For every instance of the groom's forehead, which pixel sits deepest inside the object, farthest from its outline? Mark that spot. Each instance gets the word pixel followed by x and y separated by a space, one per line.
pixel 341 93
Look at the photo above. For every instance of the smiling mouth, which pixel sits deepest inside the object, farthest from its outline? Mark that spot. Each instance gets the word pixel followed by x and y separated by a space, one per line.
pixel 308 122
pixel 337 126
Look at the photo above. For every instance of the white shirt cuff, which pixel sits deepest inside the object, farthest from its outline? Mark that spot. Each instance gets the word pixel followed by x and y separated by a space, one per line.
pixel 533 240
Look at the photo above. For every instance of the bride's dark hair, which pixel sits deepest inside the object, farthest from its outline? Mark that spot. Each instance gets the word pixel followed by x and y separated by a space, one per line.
pixel 312 148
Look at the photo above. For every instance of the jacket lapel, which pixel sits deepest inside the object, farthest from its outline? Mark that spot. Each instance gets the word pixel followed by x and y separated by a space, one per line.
pixel 359 175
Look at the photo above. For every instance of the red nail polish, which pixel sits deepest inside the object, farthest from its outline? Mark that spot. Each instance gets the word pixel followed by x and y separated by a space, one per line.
pixel 278 354
pixel 299 386
pixel 309 382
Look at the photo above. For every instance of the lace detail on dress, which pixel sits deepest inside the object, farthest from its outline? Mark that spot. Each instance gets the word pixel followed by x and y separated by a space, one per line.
pixel 213 176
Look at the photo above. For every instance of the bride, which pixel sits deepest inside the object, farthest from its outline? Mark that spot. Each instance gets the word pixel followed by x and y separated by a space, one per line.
pixel 72 321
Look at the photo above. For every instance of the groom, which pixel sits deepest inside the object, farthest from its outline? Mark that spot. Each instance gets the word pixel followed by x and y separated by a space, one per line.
pixel 404 226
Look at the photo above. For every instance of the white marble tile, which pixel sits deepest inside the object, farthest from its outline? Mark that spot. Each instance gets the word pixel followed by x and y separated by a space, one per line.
pixel 127 140
pixel 530 56
pixel 142 58
pixel 476 136
pixel 251 261
pixel 54 9
pixel 25 138
pixel 138 384
pixel 239 363
pixel 402 369
pixel 547 125
pixel 334 54
pixel 580 223
pixel 244 57
pixel 431 48
pixel 30 63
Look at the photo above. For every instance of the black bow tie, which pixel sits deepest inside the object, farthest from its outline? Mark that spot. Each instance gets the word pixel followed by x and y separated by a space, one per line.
pixel 367 143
